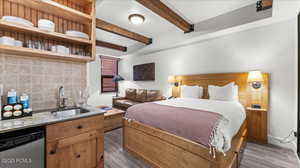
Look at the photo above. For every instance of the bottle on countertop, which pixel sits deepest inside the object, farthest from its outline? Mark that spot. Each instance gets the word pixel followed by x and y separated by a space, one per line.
pixel 12 97
pixel 24 100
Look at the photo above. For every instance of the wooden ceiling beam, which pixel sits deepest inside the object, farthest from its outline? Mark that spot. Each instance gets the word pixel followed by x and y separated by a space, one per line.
pixel 164 11
pixel 264 5
pixel 110 46
pixel 101 24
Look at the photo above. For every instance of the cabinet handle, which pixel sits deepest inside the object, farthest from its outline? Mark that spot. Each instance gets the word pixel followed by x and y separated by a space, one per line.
pixel 78 156
pixel 79 127
pixel 52 152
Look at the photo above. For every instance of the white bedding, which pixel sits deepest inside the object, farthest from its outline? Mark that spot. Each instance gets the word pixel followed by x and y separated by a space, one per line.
pixel 233 112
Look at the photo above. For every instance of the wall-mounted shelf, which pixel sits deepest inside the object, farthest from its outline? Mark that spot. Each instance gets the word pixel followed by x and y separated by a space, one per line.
pixel 37 32
pixel 41 53
pixel 77 15
pixel 55 8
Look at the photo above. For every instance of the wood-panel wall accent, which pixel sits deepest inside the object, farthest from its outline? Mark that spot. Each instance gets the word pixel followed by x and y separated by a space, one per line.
pixel 247 94
pixel 13 8
pixel 110 46
pixel 165 12
pixel 63 8
pixel 101 24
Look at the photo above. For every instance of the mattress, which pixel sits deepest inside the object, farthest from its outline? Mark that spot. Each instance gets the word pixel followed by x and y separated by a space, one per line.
pixel 208 122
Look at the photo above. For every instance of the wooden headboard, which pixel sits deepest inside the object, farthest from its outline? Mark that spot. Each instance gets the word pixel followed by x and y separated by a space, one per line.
pixel 247 94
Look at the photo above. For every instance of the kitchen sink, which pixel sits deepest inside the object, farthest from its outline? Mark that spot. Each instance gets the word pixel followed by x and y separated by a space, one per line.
pixel 69 112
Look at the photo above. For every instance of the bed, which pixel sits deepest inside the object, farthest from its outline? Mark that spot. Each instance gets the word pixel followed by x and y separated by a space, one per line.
pixel 166 149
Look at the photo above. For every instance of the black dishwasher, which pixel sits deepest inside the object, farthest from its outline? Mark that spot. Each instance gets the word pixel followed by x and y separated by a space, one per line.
pixel 23 148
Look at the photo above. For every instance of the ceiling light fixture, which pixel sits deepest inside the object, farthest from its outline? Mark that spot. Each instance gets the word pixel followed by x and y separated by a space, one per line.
pixel 136 19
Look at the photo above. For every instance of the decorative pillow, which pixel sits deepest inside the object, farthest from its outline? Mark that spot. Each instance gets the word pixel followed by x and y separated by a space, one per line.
pixel 191 92
pixel 130 94
pixel 224 93
pixel 153 95
pixel 141 95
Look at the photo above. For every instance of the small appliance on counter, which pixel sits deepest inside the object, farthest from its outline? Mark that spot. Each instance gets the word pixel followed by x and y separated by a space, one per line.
pixel 15 107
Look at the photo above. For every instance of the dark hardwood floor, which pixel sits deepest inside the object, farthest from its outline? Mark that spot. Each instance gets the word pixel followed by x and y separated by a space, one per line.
pixel 255 156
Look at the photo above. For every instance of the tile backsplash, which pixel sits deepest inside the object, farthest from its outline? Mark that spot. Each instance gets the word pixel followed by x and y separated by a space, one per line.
pixel 41 78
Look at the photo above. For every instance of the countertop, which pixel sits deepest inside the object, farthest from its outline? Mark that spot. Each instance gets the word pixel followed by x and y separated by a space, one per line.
pixel 44 118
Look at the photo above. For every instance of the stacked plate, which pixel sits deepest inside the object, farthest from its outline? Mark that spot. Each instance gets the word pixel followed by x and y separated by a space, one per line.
pixel 79 34
pixel 17 20
pixel 47 25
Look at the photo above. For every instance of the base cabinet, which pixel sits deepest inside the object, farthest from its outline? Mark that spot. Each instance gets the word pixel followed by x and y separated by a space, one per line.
pixel 84 150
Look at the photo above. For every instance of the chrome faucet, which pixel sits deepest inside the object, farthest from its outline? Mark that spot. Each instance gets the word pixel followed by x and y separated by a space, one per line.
pixel 61 98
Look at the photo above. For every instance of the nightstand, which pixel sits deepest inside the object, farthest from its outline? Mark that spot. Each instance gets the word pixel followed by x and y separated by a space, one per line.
pixel 257 124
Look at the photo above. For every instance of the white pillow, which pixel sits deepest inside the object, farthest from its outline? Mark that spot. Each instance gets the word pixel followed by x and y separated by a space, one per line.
pixel 236 93
pixel 191 92
pixel 224 93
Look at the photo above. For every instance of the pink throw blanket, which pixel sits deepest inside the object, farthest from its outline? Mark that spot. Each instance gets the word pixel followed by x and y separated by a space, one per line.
pixel 195 125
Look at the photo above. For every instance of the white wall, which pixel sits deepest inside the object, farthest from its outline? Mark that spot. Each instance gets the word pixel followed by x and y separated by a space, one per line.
pixel 94 83
pixel 272 49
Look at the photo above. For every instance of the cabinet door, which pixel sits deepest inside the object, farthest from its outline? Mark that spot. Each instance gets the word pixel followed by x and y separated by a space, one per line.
pixel 257 126
pixel 80 151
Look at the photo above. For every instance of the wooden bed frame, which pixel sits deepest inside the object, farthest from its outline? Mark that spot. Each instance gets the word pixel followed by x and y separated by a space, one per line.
pixel 165 150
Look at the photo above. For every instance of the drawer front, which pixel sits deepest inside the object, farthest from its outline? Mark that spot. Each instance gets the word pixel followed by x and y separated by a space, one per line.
pixel 113 122
pixel 74 127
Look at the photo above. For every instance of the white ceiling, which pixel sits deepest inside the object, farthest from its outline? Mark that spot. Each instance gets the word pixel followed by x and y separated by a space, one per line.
pixel 194 11
pixel 117 12
pixel 200 10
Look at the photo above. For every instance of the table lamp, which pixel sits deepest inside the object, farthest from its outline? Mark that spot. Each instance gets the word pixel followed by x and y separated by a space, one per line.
pixel 116 79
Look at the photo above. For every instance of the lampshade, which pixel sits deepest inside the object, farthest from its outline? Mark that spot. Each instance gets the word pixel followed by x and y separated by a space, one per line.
pixel 171 79
pixel 255 76
pixel 117 78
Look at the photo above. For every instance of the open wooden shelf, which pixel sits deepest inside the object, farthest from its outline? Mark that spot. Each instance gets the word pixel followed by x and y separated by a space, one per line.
pixel 42 33
pixel 41 53
pixel 55 8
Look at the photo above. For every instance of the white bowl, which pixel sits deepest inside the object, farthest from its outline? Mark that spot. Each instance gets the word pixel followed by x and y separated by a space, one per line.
pixel 5 40
pixel 17 20
pixel 74 33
